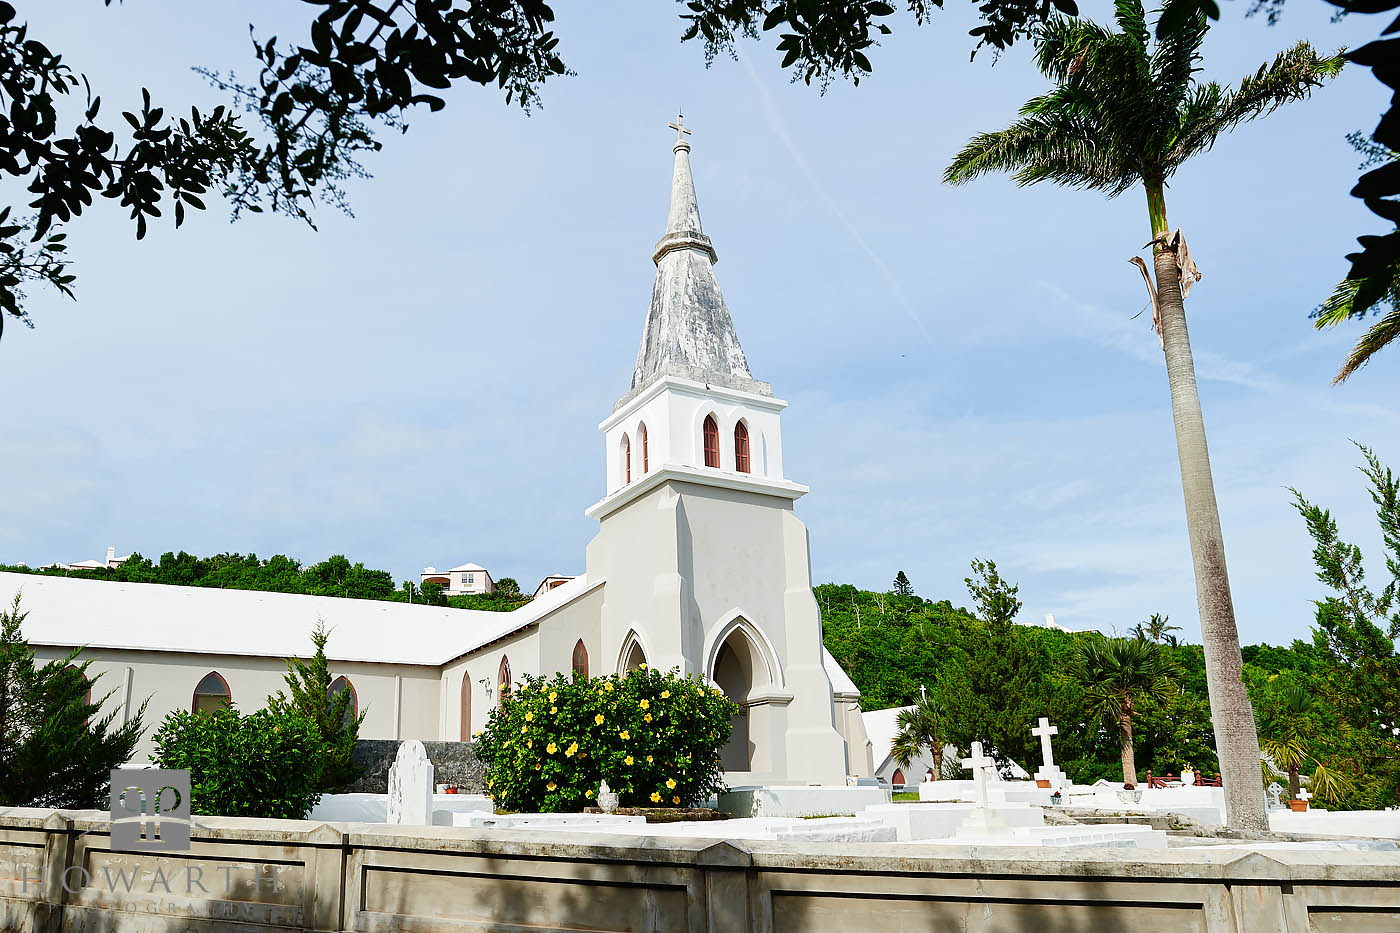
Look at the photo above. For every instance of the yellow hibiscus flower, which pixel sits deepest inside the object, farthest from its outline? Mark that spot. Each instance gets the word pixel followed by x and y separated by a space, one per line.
pixel 553 695
pixel 608 686
pixel 644 667
pixel 648 759
pixel 598 720
pixel 551 786
pixel 588 793
pixel 655 797
pixel 627 760
pixel 646 704
pixel 524 729
pixel 624 735
pixel 554 709
pixel 647 717
pixel 675 800
pixel 670 783
pixel 552 748
pixel 665 694
pixel 571 750
pixel 529 717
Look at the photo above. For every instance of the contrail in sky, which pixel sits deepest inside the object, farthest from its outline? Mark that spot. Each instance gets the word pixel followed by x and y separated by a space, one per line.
pixel 775 121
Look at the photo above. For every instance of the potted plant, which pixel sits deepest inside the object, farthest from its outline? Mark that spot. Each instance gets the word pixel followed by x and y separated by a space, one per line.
pixel 1130 793
pixel 1188 776
pixel 1056 799
pixel 1298 806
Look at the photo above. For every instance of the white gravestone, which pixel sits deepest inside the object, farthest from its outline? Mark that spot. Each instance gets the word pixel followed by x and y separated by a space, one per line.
pixel 1275 794
pixel 1303 795
pixel 411 786
pixel 981 819
pixel 1048 770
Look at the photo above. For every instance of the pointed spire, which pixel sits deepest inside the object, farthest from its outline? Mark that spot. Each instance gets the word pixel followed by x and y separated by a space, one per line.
pixel 688 330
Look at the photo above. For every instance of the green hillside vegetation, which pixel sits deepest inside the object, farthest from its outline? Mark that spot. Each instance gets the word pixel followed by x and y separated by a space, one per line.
pixel 334 576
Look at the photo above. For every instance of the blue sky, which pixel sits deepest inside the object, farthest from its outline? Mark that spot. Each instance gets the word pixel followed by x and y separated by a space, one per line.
pixel 421 384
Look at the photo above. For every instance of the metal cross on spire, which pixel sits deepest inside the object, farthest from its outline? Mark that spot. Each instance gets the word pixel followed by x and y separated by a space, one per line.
pixel 682 131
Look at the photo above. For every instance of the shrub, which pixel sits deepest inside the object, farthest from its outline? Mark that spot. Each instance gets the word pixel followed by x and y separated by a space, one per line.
pixel 309 683
pixel 654 737
pixel 265 764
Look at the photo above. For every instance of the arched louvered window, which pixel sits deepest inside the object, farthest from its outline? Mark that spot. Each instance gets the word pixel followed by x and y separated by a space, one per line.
pixel 352 709
pixel 466 707
pixel 711 442
pixel 580 661
pixel 642 433
pixel 211 695
pixel 503 681
pixel 626 460
pixel 741 447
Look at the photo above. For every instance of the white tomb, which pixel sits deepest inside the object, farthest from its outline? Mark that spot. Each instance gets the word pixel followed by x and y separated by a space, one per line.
pixel 411 786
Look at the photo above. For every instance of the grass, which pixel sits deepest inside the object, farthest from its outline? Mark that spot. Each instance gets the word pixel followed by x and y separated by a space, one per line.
pixel 904 796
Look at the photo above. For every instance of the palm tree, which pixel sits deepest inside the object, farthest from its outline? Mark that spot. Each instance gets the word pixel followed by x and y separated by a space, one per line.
pixel 1126 111
pixel 1287 732
pixel 1117 674
pixel 923 725
pixel 1157 627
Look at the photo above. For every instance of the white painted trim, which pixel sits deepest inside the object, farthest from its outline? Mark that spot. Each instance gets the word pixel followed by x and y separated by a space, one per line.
pixel 672 472
pixel 695 390
pixel 739 620
pixel 398 706
pixel 633 637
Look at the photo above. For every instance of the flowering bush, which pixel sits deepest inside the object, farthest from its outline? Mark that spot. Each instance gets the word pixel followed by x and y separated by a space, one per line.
pixel 654 737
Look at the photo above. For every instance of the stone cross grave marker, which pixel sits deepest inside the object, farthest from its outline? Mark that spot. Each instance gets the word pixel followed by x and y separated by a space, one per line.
pixel 1048 770
pixel 1303 794
pixel 981 819
pixel 1275 793
pixel 411 786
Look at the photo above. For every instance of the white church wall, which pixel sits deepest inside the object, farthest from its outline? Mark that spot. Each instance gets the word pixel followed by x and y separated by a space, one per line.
pixel 481 669
pixel 169 679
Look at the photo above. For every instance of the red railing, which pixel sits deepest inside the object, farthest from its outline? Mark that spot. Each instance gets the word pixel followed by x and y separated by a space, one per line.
pixel 1173 780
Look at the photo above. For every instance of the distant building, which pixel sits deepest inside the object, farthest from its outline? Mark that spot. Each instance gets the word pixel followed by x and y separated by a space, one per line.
pixel 466 580
pixel 111 563
pixel 550 582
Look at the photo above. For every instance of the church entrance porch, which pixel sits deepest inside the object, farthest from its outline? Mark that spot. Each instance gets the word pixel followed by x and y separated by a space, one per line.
pixel 743 668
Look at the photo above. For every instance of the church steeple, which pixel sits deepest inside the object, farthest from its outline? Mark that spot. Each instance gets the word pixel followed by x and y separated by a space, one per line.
pixel 688 331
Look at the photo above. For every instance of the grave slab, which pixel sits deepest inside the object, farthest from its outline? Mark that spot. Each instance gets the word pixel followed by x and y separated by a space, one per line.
pixel 798 800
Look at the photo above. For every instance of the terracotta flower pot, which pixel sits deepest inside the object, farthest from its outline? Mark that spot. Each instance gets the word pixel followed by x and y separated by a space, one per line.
pixel 1298 806
pixel 1045 784
pixel 450 790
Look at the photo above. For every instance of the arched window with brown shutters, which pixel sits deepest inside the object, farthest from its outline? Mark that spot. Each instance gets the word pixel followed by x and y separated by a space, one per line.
pixel 711 442
pixel 211 694
pixel 642 433
pixel 626 460
pixel 503 681
pixel 741 447
pixel 466 706
pixel 580 661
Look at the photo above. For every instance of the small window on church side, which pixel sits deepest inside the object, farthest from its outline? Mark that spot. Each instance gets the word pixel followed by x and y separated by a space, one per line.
pixel 642 432
pixel 211 695
pixel 503 681
pixel 711 442
pixel 352 708
pixel 741 447
pixel 580 661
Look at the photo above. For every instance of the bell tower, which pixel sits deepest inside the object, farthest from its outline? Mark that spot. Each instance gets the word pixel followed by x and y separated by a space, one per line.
pixel 706 566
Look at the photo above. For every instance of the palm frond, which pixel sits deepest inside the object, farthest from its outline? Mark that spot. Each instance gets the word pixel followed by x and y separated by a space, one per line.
pixel 1175 60
pixel 1292 76
pixel 1062 46
pixel 1381 334
pixel 1132 19
pixel 1340 306
pixel 1049 143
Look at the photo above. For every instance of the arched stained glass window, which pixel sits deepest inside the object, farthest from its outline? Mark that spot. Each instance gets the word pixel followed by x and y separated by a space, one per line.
pixel 711 442
pixel 741 447
pixel 211 695
pixel 580 661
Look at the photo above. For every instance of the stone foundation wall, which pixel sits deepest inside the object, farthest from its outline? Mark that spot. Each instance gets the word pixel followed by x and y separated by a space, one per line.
pixel 453 763
pixel 58 873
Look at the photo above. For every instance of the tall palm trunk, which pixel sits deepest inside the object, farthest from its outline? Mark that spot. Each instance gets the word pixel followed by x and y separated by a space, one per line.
pixel 1236 741
pixel 1125 748
pixel 1294 784
pixel 937 750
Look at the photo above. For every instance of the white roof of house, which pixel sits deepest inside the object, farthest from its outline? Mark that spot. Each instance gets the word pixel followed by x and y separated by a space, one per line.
pixel 156 617
pixel 469 567
pixel 840 680
pixel 880 727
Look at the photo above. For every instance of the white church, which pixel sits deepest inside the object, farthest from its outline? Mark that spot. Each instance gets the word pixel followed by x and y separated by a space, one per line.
pixel 699 563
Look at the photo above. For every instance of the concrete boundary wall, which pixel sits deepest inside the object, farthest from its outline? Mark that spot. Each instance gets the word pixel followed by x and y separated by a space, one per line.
pixel 58 873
